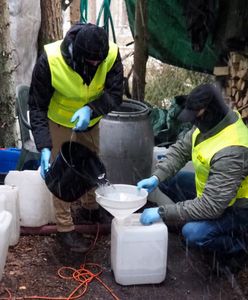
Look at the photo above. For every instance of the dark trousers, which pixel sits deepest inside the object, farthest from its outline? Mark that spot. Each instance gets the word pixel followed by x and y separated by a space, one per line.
pixel 224 235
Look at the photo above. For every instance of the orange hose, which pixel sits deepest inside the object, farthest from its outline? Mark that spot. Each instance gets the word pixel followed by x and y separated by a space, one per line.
pixel 82 275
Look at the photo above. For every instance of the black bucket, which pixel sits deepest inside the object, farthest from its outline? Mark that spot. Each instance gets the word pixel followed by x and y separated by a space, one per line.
pixel 75 171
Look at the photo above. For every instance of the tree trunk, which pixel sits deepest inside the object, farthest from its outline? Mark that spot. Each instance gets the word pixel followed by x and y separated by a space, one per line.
pixel 75 11
pixel 140 50
pixel 51 22
pixel 7 92
pixel 92 12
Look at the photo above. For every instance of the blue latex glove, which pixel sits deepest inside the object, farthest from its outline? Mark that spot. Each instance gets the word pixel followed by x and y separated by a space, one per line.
pixel 149 216
pixel 82 116
pixel 149 183
pixel 44 161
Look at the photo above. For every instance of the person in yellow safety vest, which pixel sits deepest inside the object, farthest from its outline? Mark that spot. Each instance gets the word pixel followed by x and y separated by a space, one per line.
pixel 74 83
pixel 210 201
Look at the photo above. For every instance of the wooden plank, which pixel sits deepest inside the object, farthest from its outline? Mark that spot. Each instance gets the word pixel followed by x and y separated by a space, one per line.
pixel 221 71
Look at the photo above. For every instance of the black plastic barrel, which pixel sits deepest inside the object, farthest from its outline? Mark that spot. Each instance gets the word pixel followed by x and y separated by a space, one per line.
pixel 75 170
pixel 126 143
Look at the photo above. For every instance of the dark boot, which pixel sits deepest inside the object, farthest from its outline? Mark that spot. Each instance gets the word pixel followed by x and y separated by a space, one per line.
pixel 73 241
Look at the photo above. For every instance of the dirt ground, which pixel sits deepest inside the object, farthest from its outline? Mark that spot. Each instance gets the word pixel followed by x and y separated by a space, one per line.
pixel 31 272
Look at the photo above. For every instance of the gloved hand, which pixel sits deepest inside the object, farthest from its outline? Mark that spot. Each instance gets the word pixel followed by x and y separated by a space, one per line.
pixel 149 183
pixel 83 115
pixel 149 216
pixel 44 161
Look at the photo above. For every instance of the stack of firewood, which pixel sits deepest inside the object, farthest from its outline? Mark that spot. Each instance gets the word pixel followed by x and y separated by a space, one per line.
pixel 236 82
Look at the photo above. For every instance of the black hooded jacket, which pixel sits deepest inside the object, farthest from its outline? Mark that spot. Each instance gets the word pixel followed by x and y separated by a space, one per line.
pixel 41 89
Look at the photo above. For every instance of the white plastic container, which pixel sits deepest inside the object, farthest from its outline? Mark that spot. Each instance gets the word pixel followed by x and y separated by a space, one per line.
pixel 159 154
pixel 5 223
pixel 138 252
pixel 9 202
pixel 35 200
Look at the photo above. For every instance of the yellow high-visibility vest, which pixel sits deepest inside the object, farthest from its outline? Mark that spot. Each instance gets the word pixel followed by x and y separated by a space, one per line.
pixel 71 93
pixel 235 134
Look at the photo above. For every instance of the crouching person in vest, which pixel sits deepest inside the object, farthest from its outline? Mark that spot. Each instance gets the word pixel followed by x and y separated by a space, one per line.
pixel 211 203
pixel 74 83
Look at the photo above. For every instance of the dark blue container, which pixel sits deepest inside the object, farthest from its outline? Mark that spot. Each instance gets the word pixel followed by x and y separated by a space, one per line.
pixel 8 159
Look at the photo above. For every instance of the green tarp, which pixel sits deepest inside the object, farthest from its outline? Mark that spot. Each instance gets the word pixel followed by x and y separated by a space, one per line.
pixel 168 39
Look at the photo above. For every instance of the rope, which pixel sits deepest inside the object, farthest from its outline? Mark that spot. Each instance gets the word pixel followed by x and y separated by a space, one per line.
pixel 83 11
pixel 82 276
pixel 105 10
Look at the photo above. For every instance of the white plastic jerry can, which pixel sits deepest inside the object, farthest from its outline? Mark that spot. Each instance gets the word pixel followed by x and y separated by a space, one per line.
pixel 9 202
pixel 138 252
pixel 35 200
pixel 5 222
pixel 159 154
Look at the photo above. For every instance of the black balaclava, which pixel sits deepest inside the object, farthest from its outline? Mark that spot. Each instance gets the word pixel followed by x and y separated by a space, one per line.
pixel 205 96
pixel 91 43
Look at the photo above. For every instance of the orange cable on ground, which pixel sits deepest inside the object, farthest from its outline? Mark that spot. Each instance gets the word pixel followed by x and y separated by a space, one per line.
pixel 82 275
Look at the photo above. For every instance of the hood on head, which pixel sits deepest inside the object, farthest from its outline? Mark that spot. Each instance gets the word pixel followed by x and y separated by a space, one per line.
pixel 85 41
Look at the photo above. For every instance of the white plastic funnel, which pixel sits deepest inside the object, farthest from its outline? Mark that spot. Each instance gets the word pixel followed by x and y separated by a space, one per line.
pixel 121 200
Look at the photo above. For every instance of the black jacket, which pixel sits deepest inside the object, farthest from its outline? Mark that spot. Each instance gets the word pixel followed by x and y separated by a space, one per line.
pixel 41 89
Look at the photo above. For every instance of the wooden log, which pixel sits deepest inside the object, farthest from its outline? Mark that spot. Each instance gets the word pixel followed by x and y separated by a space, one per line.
pixel 239 83
pixel 228 91
pixel 244 113
pixel 243 74
pixel 229 82
pixel 238 98
pixel 239 103
pixel 243 64
pixel 234 83
pixel 243 85
pixel 234 90
pixel 233 72
pixel 245 100
pixel 236 57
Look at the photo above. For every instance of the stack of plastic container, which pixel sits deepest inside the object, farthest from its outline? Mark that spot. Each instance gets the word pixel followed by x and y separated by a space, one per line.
pixel 5 229
pixel 9 202
pixel 35 200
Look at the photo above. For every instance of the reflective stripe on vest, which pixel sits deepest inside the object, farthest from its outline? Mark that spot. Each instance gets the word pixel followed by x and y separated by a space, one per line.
pixel 71 93
pixel 235 134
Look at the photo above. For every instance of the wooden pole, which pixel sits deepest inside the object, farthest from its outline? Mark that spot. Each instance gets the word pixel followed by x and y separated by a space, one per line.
pixel 140 50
